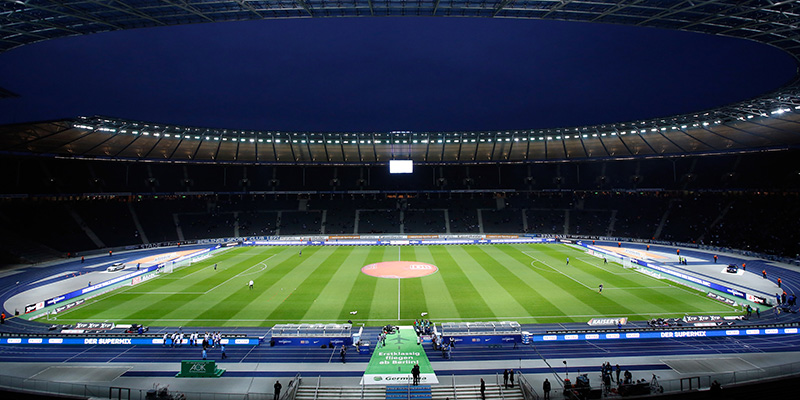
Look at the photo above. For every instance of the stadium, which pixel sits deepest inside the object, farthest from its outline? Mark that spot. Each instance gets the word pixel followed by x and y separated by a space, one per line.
pixel 333 262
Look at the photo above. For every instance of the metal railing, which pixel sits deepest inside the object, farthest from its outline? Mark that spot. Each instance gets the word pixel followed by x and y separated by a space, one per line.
pixel 100 391
pixel 291 389
pixel 527 390
pixel 700 382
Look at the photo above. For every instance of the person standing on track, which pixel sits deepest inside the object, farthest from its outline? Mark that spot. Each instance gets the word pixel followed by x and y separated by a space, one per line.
pixel 546 389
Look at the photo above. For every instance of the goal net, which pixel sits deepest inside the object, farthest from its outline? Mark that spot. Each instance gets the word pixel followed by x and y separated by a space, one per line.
pixel 626 262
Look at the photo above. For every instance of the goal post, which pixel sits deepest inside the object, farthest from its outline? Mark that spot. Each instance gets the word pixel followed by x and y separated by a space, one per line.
pixel 626 262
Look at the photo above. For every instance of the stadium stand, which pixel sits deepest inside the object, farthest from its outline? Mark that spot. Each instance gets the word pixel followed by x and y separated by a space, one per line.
pixel 725 200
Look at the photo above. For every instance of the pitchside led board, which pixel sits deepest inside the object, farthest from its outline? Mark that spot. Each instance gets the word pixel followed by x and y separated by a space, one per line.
pixel 401 166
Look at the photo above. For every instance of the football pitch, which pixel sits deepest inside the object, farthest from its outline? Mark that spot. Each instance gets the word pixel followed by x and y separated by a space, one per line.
pixel 529 283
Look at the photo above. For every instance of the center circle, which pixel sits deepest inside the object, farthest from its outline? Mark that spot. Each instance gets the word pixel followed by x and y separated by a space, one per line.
pixel 399 269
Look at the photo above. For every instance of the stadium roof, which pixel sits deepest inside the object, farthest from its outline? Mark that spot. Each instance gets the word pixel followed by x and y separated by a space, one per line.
pixel 99 137
pixel 770 121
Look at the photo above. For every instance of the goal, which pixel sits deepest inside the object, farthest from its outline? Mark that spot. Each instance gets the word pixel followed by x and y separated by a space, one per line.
pixel 626 262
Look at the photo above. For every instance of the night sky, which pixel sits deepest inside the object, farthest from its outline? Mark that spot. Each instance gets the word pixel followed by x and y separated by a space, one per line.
pixel 384 74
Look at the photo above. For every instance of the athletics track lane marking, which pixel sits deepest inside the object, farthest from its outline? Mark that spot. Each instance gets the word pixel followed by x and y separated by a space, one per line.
pixel 120 354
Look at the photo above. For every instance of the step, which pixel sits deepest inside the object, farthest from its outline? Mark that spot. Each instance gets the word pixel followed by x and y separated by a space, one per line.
pixel 417 392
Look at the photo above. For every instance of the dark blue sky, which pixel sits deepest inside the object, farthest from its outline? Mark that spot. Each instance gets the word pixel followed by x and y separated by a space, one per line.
pixel 383 74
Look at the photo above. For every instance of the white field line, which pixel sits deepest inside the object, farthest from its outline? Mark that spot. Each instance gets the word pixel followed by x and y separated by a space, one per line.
pixel 240 273
pixel 569 277
pixel 398 299
pixel 590 262
pixel 170 293
pixel 442 319
pixel 398 285
pixel 666 281
pixel 126 289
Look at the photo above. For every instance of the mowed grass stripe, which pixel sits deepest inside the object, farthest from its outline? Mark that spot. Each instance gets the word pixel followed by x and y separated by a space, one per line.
pixel 277 285
pixel 412 295
pixel 234 300
pixel 331 305
pixel 578 297
pixel 480 269
pixel 466 297
pixel 310 289
pixel 440 306
pixel 206 279
pixel 384 297
pixel 609 302
pixel 233 296
pixel 645 303
pixel 473 283
pixel 117 304
pixel 521 281
pixel 360 297
pixel 171 304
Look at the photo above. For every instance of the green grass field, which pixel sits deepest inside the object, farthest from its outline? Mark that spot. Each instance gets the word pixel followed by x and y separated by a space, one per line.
pixel 524 283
